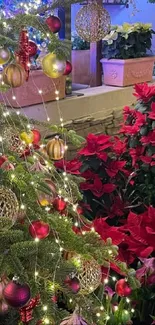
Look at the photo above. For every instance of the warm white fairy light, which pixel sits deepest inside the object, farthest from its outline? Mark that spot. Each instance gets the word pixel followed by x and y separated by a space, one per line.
pixel 110 251
pixel 36 273
pixel 76 224
pixel 98 314
pixel 127 300
pixel 22 207
pixel 36 240
pixel 92 229
pixel 108 317
pixel 70 300
pixel 46 321
pixel 61 249
pixel 12 176
pixel 83 232
pixel 132 310
pixel 57 241
pixel 106 281
pixel 114 278
pixel 115 308
pixel 48 119
pixel 1 139
pixel 101 308
pixel 40 91
pixel 18 113
pixel 14 97
pixel 45 308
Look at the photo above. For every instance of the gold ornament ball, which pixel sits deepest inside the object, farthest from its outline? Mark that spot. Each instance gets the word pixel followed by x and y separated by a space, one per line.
pixel 92 22
pixel 90 276
pixel 4 55
pixel 9 206
pixel 14 75
pixel 52 66
pixel 55 148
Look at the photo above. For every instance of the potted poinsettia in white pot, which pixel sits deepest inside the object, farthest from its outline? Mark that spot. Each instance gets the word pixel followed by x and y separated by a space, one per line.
pixel 127 57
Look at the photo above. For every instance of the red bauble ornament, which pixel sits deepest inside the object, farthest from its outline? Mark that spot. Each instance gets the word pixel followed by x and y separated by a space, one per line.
pixel 39 229
pixel 54 24
pixel 16 295
pixel 73 284
pixel 36 136
pixel 68 68
pixel 2 160
pixel 122 288
pixel 33 48
pixel 59 204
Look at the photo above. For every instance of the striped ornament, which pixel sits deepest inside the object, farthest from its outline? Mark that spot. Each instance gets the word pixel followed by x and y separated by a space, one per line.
pixel 14 75
pixel 55 149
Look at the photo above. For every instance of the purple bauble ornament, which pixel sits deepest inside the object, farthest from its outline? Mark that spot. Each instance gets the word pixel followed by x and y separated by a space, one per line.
pixel 16 295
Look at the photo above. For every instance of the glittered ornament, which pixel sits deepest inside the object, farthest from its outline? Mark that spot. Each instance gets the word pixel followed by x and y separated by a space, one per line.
pixel 32 48
pixel 4 55
pixel 3 307
pixel 89 275
pixel 16 295
pixel 3 283
pixel 74 319
pixel 22 55
pixel 68 68
pixel 54 24
pixel 39 229
pixel 12 141
pixel 73 283
pixel 92 22
pixel 55 148
pixel 36 136
pixel 52 66
pixel 14 75
pixel 122 288
pixel 8 204
pixel 26 313
pixel 59 204
pixel 27 137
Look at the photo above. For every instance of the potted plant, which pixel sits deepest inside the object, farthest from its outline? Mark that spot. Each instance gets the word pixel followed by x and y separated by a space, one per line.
pixel 80 60
pixel 126 58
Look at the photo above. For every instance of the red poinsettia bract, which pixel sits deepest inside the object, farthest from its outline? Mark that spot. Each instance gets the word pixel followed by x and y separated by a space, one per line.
pixel 144 92
pixel 95 144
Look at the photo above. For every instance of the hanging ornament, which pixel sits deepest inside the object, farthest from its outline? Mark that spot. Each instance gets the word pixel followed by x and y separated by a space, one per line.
pixel 32 48
pixel 27 137
pixel 14 75
pixel 3 283
pixel 39 229
pixel 73 283
pixel 47 199
pixel 89 275
pixel 16 295
pixel 55 148
pixel 125 316
pixel 59 204
pixel 92 22
pixel 3 307
pixel 26 313
pixel 54 24
pixel 12 141
pixel 3 159
pixel 8 204
pixel 52 66
pixel 36 136
pixel 122 288
pixel 5 55
pixel 74 319
pixel 68 68
pixel 22 55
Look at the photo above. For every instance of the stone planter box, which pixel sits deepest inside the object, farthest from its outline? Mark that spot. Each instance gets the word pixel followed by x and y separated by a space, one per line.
pixel 127 72
pixel 28 94
pixel 81 66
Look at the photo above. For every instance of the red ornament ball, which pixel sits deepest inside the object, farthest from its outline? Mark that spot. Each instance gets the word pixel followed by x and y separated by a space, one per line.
pixel 39 229
pixel 122 288
pixel 59 204
pixel 16 295
pixel 54 24
pixel 33 48
pixel 68 68
pixel 73 284
pixel 36 136
pixel 3 159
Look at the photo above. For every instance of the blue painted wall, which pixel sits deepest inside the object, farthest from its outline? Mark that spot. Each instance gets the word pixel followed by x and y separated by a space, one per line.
pixel 120 14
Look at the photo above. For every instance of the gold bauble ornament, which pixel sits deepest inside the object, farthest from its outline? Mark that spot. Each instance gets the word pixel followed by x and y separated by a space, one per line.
pixel 89 275
pixel 92 22
pixel 55 148
pixel 4 55
pixel 52 66
pixel 14 75
pixel 9 206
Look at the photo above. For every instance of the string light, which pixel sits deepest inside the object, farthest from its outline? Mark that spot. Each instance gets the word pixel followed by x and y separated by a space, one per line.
pixel 45 308
pixel 36 240
pixel 22 207
pixel 46 321
pixel 106 281
pixel 36 273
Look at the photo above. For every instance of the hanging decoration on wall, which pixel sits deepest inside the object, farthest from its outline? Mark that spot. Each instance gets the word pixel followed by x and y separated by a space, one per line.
pixel 92 22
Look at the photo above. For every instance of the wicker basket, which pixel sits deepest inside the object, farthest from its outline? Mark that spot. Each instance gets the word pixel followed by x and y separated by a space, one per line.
pixel 28 94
